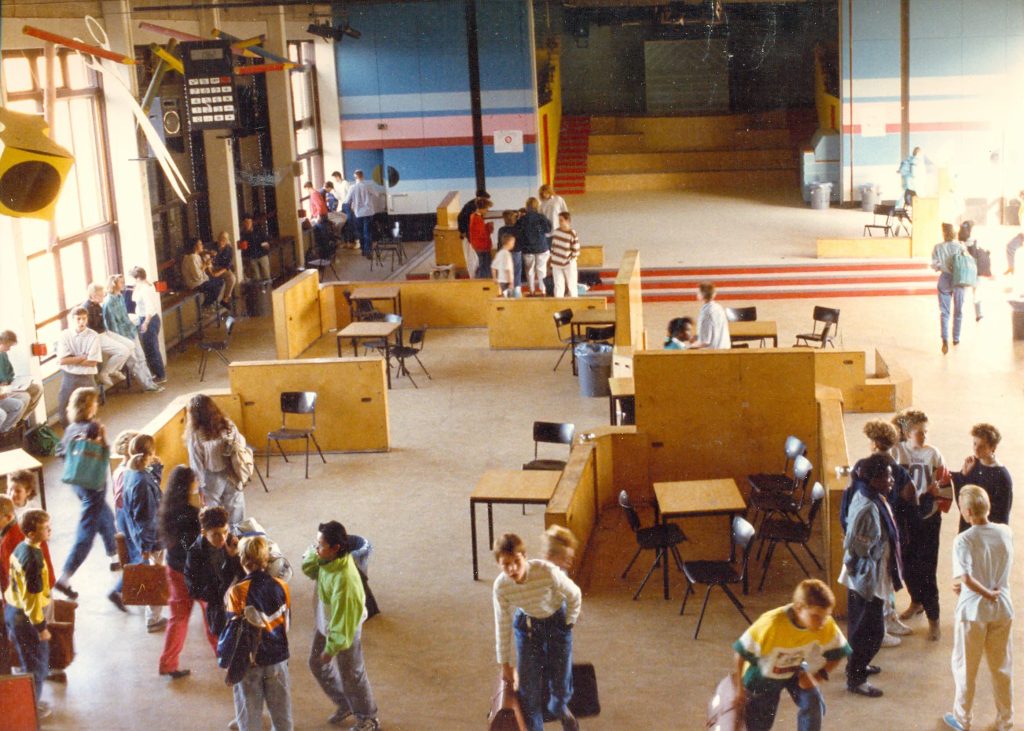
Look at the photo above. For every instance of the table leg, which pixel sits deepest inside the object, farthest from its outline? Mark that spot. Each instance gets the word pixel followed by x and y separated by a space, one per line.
pixel 611 410
pixel 472 530
pixel 398 303
pixel 42 489
pixel 355 347
pixel 387 359
pixel 490 524
pixel 732 549
pixel 339 347
pixel 572 349
pixel 664 567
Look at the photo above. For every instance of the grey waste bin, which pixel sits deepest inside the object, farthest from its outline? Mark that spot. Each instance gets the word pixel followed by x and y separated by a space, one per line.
pixel 868 197
pixel 821 194
pixel 1018 318
pixel 259 301
pixel 360 548
pixel 594 363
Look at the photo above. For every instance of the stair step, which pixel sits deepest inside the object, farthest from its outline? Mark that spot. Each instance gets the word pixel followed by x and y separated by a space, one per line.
pixel 697 179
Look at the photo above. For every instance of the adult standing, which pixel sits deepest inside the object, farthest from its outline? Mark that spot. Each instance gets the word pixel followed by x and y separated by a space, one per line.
pixel 984 470
pixel 336 657
pixel 255 246
pixel 117 351
pixel 551 204
pixel 362 198
pixel 480 232
pixel 195 269
pixel 23 389
pixel 79 355
pixel 532 231
pixel 223 267
pixel 211 437
pixel 712 322
pixel 871 570
pixel 344 217
pixel 178 520
pixel 96 515
pixel 943 254
pixel 462 220
pixel 116 320
pixel 147 309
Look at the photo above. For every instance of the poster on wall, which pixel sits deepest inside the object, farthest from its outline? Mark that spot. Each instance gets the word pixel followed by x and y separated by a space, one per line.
pixel 508 140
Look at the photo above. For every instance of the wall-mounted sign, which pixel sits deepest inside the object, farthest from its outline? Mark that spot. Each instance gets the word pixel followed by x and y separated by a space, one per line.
pixel 508 140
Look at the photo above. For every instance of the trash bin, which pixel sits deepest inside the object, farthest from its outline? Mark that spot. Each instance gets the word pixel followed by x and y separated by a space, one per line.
pixel 360 548
pixel 868 197
pixel 1018 318
pixel 259 301
pixel 594 363
pixel 821 194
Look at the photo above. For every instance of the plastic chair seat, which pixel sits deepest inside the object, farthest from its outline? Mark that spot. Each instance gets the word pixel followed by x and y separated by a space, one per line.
pixel 770 483
pixel 711 572
pixel 552 465
pixel 660 536
pixel 780 529
pixel 775 503
pixel 289 433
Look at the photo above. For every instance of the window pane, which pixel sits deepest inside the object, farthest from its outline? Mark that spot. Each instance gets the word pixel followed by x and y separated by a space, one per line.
pixel 88 165
pixel 293 52
pixel 98 258
pixel 72 262
pixel 79 75
pixel 69 214
pixel 17 74
pixel 40 67
pixel 25 106
pixel 44 293
pixel 35 235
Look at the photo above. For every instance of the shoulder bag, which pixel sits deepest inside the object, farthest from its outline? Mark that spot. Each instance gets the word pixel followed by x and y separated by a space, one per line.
pixel 86 464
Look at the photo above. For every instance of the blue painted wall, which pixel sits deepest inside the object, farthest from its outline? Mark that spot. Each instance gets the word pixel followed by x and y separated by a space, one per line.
pixel 405 101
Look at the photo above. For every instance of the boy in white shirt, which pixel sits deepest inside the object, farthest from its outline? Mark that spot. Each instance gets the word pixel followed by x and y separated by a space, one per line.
pixel 503 266
pixel 982 559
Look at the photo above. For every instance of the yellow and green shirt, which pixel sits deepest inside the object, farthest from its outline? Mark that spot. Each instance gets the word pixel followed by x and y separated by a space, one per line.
pixel 29 589
pixel 774 646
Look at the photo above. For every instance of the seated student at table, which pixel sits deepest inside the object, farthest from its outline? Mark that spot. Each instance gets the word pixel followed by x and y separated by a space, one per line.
pixel 712 323
pixel 680 333
pixel 195 267
pixel 21 389
pixel 222 266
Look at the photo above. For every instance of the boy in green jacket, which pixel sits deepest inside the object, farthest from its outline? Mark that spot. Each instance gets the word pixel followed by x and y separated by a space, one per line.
pixel 336 657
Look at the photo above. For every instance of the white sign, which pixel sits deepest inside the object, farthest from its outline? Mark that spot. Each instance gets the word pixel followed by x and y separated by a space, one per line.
pixel 508 140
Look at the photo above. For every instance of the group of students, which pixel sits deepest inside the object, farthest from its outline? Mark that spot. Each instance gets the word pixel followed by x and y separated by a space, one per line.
pixel 192 529
pixel 712 329
pixel 343 210
pixel 534 241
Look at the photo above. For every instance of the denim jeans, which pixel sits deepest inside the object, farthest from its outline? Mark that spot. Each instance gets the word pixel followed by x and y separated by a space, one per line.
pixel 865 630
pixel 517 268
pixel 364 225
pixel 344 679
pixel 948 294
pixel 219 489
pixel 260 683
pixel 761 707
pixel 96 517
pixel 151 347
pixel 544 653
pixel 33 652
pixel 483 265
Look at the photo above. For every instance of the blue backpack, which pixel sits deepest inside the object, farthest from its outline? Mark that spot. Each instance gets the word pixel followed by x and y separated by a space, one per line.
pixel 965 270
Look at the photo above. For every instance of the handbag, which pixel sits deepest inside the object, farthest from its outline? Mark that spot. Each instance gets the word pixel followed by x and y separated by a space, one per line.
pixel 86 464
pixel 145 585
pixel 243 464
pixel 236 648
pixel 506 713
pixel 62 634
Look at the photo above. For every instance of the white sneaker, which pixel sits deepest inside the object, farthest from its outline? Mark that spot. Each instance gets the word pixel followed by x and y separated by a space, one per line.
pixel 891 640
pixel 43 710
pixel 104 380
pixel 894 626
pixel 117 376
pixel 367 724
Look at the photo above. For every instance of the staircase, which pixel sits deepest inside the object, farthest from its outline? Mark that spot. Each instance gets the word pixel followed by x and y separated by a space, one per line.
pixel 571 166
pixel 796 281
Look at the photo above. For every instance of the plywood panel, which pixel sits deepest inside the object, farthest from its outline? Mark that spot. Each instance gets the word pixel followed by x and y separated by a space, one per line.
pixel 842 369
pixel 448 210
pixel 629 309
pixel 833 453
pixel 448 248
pixel 529 322
pixel 591 257
pixel 867 247
pixel 329 307
pixel 927 229
pixel 574 504
pixel 425 303
pixel 352 407
pixel 297 314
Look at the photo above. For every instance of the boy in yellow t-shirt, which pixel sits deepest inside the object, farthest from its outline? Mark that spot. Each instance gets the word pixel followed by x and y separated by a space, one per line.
pixel 775 654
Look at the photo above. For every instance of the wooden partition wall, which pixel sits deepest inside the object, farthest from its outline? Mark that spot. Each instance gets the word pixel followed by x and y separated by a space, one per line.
pixel 629 306
pixel 834 453
pixel 890 389
pixel 529 322
pixel 352 401
pixel 297 314
pixel 425 303
pixel 447 241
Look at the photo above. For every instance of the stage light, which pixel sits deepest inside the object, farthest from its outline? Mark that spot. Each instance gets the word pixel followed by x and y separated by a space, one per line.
pixel 32 166
pixel 330 33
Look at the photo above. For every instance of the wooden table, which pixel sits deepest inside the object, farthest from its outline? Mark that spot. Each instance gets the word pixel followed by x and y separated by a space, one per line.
pixel 383 293
pixel 697 499
pixel 754 330
pixel 18 459
pixel 356 331
pixel 621 390
pixel 515 487
pixel 584 319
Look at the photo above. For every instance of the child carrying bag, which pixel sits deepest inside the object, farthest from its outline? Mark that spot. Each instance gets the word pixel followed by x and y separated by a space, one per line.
pixel 86 464
pixel 505 714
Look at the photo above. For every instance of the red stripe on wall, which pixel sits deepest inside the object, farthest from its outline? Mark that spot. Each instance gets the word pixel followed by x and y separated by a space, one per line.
pixel 423 142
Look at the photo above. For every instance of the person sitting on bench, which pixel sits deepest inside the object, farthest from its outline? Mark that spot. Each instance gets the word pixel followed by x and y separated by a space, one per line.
pixel 195 267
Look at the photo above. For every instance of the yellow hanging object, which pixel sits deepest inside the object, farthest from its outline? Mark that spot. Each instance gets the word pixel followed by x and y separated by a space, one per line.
pixel 32 166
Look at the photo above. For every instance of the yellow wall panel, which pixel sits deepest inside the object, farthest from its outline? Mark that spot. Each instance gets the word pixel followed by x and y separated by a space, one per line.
pixel 529 322
pixel 297 314
pixel 629 308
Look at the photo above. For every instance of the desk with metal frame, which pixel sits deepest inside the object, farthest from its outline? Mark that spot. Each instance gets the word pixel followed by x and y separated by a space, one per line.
pixel 382 293
pixel 749 330
pixel 584 319
pixel 356 331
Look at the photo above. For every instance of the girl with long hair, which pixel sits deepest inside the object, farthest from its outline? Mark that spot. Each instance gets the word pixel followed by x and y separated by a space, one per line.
pixel 211 438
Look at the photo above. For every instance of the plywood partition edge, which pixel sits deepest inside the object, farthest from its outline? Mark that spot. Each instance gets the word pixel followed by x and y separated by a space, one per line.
pixel 293 303
pixel 834 453
pixel 629 317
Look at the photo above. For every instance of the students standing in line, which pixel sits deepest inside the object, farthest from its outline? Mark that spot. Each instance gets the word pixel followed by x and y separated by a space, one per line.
pixel 147 308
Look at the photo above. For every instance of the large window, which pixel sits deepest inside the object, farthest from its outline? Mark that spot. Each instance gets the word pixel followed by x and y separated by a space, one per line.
pixel 306 118
pixel 80 245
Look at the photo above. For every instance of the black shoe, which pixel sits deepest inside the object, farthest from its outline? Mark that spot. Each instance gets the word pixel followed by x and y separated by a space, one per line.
pixel 865 689
pixel 115 565
pixel 176 674
pixel 117 601
pixel 872 670
pixel 66 590
pixel 569 722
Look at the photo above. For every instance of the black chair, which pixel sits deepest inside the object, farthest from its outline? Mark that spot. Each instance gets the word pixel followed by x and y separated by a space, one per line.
pixel 562 319
pixel 295 403
pixel 549 432
pixel 662 539
pixel 600 334
pixel 218 347
pixel 786 496
pixel 828 319
pixel 417 338
pixel 774 481
pixel 721 573
pixel 361 310
pixel 741 314
pixel 787 531
pixel 887 210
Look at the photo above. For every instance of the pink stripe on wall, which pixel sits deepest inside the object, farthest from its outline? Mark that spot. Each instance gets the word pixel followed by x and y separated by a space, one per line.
pixel 927 127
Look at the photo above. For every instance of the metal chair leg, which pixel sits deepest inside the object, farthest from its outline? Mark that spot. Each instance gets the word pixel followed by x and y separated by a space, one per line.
pixel 631 562
pixel 318 450
pixel 564 351
pixel 798 561
pixel 268 456
pixel 735 601
pixel 429 377
pixel 307 456
pixel 703 608
pixel 281 449
pixel 689 590
pixel 657 562
pixel 767 562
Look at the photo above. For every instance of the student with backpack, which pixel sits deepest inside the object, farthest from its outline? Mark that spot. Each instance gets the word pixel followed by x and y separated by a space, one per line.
pixel 982 262
pixel 957 270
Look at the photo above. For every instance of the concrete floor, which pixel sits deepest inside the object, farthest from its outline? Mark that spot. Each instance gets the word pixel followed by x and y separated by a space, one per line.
pixel 430 655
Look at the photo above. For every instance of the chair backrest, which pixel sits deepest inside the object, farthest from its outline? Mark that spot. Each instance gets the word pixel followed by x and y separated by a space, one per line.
pixel 298 402
pixel 794 448
pixel 348 296
pixel 817 496
pixel 605 332
pixel 551 432
pixel 801 468
pixel 826 314
pixel 391 317
pixel 885 209
pixel 631 516
pixel 417 337
pixel 741 314
pixel 562 318
pixel 743 538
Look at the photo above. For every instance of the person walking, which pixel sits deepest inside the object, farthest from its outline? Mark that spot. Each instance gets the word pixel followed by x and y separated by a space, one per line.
pixel 141 498
pixel 712 322
pixel 943 255
pixel 336 656
pixel 210 437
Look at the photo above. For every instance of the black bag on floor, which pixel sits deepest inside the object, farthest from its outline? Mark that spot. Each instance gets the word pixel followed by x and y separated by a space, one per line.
pixel 584 702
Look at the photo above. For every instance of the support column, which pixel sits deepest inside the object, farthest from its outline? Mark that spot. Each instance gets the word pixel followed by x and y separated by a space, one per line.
pixel 16 304
pixel 282 133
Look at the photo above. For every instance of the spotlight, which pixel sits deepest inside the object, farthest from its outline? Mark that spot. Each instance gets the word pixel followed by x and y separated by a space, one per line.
pixel 329 33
